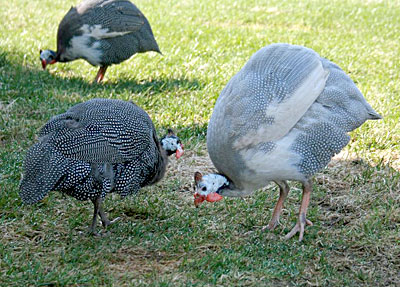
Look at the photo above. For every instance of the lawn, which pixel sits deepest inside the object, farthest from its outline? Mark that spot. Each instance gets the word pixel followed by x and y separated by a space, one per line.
pixel 161 239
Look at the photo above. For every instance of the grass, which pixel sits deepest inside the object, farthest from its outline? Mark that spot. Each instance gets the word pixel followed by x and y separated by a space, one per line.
pixel 161 239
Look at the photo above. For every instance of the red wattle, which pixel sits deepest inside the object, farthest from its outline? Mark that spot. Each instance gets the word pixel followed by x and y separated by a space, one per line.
pixel 213 197
pixel 179 152
pixel 44 64
pixel 198 199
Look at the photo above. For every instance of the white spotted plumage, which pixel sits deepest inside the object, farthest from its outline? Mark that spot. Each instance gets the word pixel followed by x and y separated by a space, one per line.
pixel 92 149
pixel 271 114
pixel 282 117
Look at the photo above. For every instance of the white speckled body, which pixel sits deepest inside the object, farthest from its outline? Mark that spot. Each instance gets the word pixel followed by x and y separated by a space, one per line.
pixel 283 117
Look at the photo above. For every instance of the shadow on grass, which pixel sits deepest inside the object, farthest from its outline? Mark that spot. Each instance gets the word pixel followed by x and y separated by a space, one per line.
pixel 30 95
pixel 31 76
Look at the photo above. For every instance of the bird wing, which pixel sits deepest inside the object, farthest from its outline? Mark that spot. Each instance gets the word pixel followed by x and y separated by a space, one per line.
pixel 103 142
pixel 270 94
pixel 115 18
pixel 101 133
pixel 100 20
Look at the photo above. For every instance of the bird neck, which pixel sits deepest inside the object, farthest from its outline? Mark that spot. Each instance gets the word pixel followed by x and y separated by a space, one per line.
pixel 160 162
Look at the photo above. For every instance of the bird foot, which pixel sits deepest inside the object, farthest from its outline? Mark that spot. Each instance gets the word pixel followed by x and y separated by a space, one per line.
pixel 109 222
pixel 271 225
pixel 92 231
pixel 299 227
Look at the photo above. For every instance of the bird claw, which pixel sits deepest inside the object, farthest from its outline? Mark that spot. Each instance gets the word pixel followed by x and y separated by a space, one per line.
pixel 105 222
pixel 299 227
pixel 100 234
pixel 271 225
pixel 109 222
pixel 93 232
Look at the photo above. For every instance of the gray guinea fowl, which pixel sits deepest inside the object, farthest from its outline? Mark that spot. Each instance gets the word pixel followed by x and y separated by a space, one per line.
pixel 95 148
pixel 282 117
pixel 103 32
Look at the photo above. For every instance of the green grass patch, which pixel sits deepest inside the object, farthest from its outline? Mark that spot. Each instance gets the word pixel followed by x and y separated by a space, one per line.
pixel 161 239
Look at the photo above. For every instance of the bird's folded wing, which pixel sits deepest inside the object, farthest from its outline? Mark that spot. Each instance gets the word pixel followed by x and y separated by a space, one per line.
pixel 272 92
pixel 118 18
pixel 289 111
pixel 108 141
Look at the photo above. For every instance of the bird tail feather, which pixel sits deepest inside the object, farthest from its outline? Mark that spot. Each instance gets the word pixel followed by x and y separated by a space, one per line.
pixel 374 115
pixel 43 169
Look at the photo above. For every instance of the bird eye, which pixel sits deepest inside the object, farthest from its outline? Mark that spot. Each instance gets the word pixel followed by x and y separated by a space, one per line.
pixel 204 188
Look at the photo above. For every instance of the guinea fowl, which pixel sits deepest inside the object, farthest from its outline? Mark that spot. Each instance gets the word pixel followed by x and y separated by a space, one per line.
pixel 282 117
pixel 95 148
pixel 103 32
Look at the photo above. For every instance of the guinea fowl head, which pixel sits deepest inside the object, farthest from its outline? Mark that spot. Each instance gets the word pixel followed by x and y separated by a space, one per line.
pixel 47 57
pixel 172 144
pixel 207 187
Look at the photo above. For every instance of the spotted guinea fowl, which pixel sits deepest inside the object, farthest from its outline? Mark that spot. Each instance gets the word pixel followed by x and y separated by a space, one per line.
pixel 103 32
pixel 95 148
pixel 282 117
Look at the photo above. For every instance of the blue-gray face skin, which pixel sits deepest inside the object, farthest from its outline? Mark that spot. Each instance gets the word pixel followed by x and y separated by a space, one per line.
pixel 47 57
pixel 172 144
pixel 208 186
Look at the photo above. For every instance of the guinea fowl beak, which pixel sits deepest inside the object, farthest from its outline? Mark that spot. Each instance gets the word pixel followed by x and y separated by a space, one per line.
pixel 179 151
pixel 44 64
pixel 211 197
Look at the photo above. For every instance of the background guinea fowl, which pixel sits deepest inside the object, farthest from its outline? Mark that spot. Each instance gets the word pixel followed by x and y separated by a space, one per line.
pixel 282 117
pixel 95 148
pixel 103 32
